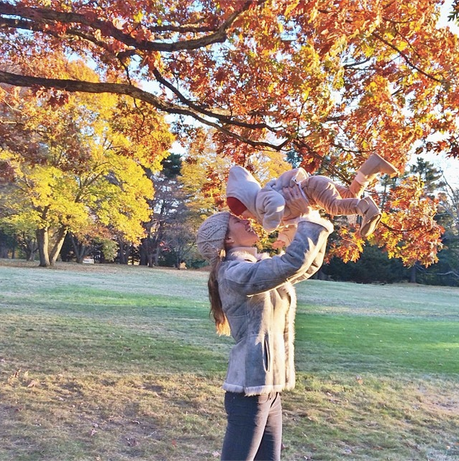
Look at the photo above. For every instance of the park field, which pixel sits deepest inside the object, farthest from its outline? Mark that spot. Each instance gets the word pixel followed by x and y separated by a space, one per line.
pixel 117 363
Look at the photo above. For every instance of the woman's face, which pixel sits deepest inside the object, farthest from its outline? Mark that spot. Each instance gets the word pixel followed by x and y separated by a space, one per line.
pixel 240 233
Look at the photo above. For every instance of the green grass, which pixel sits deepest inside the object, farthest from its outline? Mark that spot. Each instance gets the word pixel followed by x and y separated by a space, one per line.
pixel 372 343
pixel 117 363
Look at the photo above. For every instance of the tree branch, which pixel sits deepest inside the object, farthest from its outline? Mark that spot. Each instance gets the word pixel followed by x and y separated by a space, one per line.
pixel 137 93
pixel 22 24
pixel 407 60
pixel 221 116
pixel 357 63
pixel 47 16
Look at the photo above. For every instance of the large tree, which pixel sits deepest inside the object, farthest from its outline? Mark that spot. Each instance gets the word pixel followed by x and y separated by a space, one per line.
pixel 339 79
pixel 76 165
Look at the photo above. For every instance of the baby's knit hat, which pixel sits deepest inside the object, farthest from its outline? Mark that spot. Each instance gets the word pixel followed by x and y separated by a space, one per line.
pixel 211 235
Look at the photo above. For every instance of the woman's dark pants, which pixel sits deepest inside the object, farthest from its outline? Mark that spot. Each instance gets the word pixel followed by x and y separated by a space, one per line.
pixel 254 430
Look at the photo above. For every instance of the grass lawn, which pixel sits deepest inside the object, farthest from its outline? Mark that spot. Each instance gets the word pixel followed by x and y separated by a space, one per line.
pixel 117 363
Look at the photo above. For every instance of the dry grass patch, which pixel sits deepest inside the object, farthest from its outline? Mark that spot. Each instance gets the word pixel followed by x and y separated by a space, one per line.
pixel 369 418
pixel 110 417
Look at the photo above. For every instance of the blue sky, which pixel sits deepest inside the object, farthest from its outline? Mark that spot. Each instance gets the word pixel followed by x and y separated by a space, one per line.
pixel 450 167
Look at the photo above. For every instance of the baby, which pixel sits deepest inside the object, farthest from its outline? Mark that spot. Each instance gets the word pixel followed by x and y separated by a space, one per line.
pixel 267 205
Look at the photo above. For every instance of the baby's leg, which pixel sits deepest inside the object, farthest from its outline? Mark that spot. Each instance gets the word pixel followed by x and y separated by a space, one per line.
pixel 368 172
pixel 322 191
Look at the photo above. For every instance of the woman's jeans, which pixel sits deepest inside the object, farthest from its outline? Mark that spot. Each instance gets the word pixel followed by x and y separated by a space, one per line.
pixel 254 430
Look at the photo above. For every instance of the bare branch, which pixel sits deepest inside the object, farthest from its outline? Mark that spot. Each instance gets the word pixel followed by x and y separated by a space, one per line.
pixel 357 63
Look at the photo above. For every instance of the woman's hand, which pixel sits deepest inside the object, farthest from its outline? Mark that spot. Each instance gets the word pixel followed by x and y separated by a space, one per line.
pixel 296 202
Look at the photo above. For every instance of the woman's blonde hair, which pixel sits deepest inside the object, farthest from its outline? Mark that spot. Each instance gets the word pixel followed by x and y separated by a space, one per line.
pixel 216 309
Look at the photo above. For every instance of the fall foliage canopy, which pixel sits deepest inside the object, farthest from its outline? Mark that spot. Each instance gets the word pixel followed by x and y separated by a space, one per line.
pixel 73 166
pixel 335 79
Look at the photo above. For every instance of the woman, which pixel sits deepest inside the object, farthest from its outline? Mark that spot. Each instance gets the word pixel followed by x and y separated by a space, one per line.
pixel 253 299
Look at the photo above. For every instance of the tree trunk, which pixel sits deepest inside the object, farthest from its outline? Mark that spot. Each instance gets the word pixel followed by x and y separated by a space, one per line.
pixel 43 246
pixel 59 241
pixel 143 252
pixel 80 249
pixel 123 252
pixel 28 253
pixel 47 257
pixel 30 248
pixel 147 252
pixel 156 256
pixel 413 273
pixel 4 251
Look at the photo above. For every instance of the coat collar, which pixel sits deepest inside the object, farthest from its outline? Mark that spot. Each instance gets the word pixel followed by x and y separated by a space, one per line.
pixel 246 253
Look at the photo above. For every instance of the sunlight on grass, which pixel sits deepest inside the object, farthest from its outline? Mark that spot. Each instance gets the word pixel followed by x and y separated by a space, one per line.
pixel 122 363
pixel 414 344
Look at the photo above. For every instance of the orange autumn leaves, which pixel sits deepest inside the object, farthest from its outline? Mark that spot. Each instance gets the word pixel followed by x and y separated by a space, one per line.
pixel 339 79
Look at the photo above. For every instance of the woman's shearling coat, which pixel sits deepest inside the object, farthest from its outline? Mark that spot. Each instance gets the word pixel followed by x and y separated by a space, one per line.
pixel 259 302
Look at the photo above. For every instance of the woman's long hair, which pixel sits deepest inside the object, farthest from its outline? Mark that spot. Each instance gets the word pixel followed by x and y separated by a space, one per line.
pixel 216 309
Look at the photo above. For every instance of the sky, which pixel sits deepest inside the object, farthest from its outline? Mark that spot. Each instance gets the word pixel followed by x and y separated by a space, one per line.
pixel 449 166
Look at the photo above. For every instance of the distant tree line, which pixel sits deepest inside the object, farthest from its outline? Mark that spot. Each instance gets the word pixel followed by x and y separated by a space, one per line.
pixel 177 210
